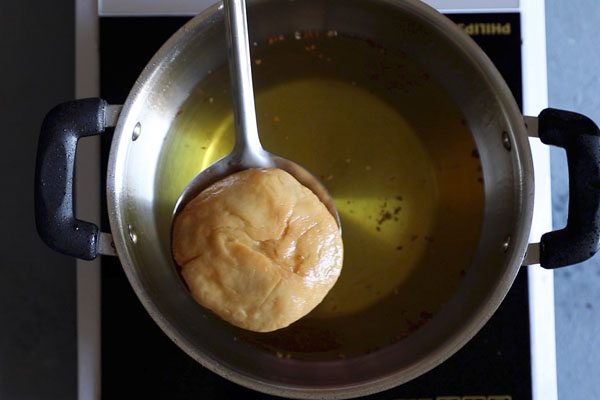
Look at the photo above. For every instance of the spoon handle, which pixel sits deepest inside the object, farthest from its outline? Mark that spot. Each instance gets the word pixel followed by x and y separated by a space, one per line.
pixel 240 70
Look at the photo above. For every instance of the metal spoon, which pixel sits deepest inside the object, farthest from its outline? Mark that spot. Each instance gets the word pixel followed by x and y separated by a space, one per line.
pixel 247 151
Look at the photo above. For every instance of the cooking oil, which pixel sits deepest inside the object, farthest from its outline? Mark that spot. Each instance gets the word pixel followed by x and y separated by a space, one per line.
pixel 393 150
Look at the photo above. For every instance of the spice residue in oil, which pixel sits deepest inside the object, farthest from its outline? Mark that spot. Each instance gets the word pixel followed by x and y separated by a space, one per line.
pixel 357 114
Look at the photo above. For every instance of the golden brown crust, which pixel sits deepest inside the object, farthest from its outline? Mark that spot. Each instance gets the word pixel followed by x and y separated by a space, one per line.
pixel 258 248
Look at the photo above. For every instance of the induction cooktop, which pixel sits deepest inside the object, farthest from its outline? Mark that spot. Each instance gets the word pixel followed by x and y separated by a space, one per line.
pixel 139 361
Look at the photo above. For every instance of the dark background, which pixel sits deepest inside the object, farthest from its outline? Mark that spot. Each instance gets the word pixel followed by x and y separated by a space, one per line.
pixel 37 285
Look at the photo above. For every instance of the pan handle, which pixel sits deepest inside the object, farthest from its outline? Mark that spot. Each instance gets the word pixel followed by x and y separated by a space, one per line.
pixel 580 137
pixel 55 218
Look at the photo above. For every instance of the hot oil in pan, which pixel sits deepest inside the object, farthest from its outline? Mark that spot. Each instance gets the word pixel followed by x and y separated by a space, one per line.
pixel 394 152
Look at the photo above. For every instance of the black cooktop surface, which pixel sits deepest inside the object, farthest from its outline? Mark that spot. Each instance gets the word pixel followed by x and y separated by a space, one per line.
pixel 139 361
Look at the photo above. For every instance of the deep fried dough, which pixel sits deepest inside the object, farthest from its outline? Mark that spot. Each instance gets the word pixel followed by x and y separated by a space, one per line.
pixel 258 248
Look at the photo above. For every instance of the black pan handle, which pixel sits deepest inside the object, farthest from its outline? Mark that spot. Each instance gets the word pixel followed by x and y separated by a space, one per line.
pixel 55 174
pixel 580 137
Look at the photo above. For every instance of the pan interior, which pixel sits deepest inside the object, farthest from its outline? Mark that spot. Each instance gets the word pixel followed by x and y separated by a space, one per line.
pixel 394 151
pixel 405 122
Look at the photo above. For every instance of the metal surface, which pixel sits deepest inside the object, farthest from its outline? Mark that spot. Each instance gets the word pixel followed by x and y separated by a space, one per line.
pixel 531 124
pixel 489 110
pixel 533 254
pixel 106 245
pixel 112 114
pixel 247 141
pixel 247 152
